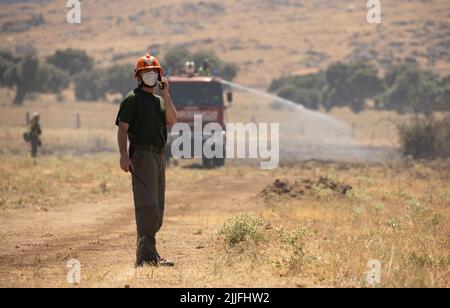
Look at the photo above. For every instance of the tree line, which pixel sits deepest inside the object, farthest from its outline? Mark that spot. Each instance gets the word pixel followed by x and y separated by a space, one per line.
pixel 30 74
pixel 404 88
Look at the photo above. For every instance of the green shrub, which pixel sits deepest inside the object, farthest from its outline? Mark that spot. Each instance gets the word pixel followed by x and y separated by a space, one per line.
pixel 411 89
pixel 306 90
pixel 29 75
pixel 89 85
pixel 72 61
pixel 241 228
pixel 294 241
pixel 426 138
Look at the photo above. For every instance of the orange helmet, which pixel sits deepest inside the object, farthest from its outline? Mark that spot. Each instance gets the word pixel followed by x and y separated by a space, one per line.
pixel 147 62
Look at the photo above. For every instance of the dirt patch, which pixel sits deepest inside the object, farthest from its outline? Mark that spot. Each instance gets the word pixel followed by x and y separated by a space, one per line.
pixel 298 189
pixel 338 187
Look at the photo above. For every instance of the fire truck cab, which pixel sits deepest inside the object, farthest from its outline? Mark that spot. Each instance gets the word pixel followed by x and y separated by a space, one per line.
pixel 206 96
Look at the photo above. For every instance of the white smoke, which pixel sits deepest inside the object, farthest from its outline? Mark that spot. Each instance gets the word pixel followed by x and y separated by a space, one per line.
pixel 304 133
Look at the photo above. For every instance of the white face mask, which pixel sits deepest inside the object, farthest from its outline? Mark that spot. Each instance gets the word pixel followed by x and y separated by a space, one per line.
pixel 150 79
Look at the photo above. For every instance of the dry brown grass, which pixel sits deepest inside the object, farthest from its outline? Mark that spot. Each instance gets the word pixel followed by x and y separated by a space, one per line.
pixel 57 180
pixel 72 206
pixel 395 214
pixel 398 214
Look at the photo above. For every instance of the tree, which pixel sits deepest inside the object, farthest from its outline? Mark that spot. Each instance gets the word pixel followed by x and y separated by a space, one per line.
pixel 119 79
pixel 395 71
pixel 175 59
pixel 411 89
pixel 72 61
pixel 228 71
pixel 225 70
pixel 95 84
pixel 352 84
pixel 51 79
pixel 306 90
pixel 27 80
pixel 28 74
pixel 309 98
pixel 426 137
pixel 443 96
pixel 200 56
pixel 7 68
pixel 89 85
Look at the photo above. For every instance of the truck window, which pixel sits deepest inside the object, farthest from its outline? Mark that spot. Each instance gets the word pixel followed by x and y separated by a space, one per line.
pixel 185 94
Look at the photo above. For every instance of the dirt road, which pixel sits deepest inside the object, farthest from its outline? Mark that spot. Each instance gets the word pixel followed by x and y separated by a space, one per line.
pixel 37 243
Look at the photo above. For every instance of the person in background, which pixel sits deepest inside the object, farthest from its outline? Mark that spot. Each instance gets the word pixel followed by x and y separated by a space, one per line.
pixel 34 133
pixel 189 68
pixel 205 69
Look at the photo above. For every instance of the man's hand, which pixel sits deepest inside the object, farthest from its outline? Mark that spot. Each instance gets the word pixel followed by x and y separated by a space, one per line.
pixel 171 112
pixel 165 84
pixel 125 163
pixel 122 138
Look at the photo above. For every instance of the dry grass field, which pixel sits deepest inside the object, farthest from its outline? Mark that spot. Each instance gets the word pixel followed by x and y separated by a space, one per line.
pixel 228 227
pixel 310 223
pixel 80 207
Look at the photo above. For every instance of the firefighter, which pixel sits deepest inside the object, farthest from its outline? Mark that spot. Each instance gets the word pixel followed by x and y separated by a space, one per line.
pixel 34 133
pixel 142 119
pixel 189 68
pixel 205 69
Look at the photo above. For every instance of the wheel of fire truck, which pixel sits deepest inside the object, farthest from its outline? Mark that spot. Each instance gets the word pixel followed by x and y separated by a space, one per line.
pixel 210 163
pixel 207 163
pixel 220 162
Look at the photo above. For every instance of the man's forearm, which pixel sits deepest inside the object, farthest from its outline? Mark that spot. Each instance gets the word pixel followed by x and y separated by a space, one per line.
pixel 122 140
pixel 171 111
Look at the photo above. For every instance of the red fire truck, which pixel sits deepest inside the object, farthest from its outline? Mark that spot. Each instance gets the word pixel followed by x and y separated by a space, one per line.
pixel 205 96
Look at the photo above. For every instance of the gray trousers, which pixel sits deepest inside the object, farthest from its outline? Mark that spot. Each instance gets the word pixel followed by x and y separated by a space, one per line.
pixel 149 202
pixel 34 146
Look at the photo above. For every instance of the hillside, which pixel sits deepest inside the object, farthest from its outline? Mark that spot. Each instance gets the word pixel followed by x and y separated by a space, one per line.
pixel 266 38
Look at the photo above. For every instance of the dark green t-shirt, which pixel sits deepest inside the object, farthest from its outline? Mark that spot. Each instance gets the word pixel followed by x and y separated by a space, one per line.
pixel 146 115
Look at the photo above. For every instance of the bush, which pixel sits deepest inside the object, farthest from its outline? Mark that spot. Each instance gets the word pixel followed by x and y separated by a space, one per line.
pixel 306 90
pixel 242 228
pixel 295 242
pixel 72 61
pixel 352 84
pixel 95 84
pixel 228 71
pixel 22 25
pixel 175 59
pixel 410 89
pixel 119 79
pixel 310 98
pixel 52 79
pixel 426 138
pixel 30 75
pixel 8 71
pixel 89 85
pixel 309 81
pixel 405 88
pixel 443 96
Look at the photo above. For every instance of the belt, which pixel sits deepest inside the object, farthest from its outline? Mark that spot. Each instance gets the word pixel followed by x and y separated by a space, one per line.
pixel 146 148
